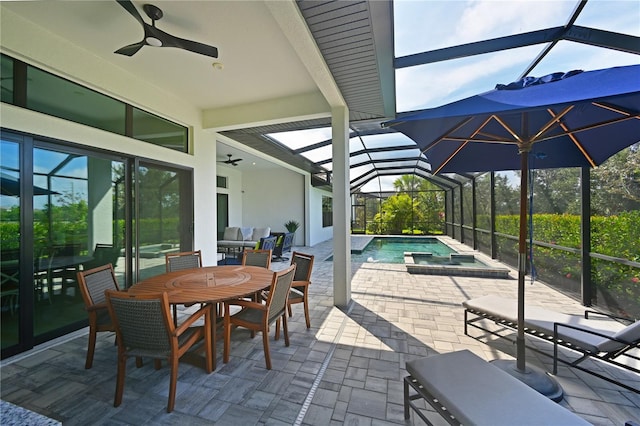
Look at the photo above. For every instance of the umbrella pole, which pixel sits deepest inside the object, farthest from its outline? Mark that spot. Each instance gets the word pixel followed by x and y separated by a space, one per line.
pixel 534 377
pixel 522 258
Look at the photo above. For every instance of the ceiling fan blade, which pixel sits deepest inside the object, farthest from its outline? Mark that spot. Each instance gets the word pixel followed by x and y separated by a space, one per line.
pixel 129 7
pixel 131 49
pixel 195 47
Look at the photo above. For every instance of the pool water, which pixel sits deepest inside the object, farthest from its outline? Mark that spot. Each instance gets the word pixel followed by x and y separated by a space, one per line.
pixel 392 249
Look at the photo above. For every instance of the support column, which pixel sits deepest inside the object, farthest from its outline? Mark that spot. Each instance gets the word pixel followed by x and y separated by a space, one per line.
pixel 341 207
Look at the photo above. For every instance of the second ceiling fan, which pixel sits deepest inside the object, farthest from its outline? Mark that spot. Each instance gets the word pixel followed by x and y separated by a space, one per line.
pixel 233 162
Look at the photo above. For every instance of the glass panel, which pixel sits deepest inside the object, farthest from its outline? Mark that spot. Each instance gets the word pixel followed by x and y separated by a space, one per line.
pixel 359 159
pixel 432 25
pixel 9 241
pixel 56 96
pixel 78 207
pixel 319 154
pixel 403 153
pixel 6 82
pixel 355 145
pixel 161 227
pixel 158 131
pixel 432 85
pixel 301 138
pixel 567 56
pixel 387 139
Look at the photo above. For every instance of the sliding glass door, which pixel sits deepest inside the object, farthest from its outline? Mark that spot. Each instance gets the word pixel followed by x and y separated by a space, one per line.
pixel 164 216
pixel 62 211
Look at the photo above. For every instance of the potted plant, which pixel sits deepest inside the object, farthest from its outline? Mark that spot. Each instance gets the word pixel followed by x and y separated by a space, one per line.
pixel 292 226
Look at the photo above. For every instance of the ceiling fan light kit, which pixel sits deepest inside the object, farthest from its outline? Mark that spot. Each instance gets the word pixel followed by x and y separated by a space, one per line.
pixel 155 37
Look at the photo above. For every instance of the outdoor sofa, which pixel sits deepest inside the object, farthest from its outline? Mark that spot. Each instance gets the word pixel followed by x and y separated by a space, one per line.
pixel 239 238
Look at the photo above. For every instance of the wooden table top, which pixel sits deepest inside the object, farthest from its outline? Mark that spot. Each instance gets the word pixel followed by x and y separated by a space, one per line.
pixel 208 284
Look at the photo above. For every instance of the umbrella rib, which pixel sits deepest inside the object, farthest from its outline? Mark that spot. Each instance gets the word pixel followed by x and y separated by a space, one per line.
pixel 573 138
pixel 444 163
pixel 616 109
pixel 554 120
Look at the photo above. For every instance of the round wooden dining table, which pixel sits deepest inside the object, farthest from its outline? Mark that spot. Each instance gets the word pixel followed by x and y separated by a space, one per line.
pixel 210 284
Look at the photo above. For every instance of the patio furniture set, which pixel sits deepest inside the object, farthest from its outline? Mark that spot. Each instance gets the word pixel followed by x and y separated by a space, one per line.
pixel 247 295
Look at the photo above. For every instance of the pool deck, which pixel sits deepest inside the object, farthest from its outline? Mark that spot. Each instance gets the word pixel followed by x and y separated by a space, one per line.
pixel 346 369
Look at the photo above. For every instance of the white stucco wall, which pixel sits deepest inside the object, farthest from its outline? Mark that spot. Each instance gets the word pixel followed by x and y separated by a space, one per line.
pixel 272 197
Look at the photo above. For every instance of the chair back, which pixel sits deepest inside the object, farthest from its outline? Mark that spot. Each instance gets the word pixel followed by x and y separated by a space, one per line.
pixel 103 254
pixel 279 293
pixel 143 323
pixel 183 260
pixel 94 282
pixel 268 243
pixel 304 263
pixel 260 258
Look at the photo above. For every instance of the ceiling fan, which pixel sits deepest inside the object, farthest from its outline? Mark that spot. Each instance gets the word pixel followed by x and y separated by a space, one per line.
pixel 230 161
pixel 158 38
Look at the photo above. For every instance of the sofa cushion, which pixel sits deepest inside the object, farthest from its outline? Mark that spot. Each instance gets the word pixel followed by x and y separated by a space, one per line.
pixel 260 233
pixel 231 233
pixel 245 233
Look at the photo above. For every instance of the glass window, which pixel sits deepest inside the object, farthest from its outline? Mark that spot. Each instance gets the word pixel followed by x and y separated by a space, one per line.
pixel 9 241
pixel 158 131
pixel 6 82
pixel 62 98
pixel 327 211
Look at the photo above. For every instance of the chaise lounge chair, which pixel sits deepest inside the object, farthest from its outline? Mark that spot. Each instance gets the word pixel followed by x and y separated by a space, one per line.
pixel 594 335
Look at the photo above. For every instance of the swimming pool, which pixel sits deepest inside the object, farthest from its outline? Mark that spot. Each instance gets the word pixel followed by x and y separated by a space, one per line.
pixel 426 255
pixel 392 249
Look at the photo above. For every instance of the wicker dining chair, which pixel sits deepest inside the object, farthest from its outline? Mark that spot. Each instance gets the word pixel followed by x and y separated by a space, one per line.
pixel 183 260
pixel 178 262
pixel 301 281
pixel 260 257
pixel 258 316
pixel 144 329
pixel 93 283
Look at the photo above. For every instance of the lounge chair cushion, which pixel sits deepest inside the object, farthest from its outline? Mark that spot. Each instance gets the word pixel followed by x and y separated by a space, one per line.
pixel 542 319
pixel 476 392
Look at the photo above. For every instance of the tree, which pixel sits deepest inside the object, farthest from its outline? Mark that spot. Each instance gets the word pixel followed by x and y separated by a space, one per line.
pixel 615 185
pixel 556 191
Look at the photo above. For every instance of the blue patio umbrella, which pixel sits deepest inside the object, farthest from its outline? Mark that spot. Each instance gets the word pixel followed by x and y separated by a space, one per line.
pixel 573 119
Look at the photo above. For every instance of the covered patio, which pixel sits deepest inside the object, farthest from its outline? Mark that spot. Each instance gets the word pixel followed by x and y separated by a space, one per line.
pixel 347 369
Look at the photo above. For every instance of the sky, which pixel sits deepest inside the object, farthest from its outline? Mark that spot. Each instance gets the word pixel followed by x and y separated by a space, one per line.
pixel 427 25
